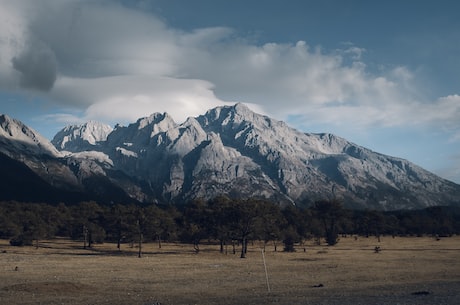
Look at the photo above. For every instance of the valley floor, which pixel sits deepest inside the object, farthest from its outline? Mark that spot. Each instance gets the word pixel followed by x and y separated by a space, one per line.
pixel 412 270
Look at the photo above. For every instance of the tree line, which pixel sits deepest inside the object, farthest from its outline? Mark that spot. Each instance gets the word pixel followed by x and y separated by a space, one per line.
pixel 223 221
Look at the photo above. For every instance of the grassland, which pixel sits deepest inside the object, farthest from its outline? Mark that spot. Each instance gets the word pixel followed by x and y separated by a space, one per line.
pixel 406 271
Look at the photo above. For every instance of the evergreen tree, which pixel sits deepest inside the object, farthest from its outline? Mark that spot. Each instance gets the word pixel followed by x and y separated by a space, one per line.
pixel 329 212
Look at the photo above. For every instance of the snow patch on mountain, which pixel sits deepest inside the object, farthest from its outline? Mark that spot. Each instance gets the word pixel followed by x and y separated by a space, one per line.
pixel 126 152
pixel 97 156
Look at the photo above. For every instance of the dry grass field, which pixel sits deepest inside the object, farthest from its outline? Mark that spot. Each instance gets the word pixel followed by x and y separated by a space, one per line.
pixel 406 271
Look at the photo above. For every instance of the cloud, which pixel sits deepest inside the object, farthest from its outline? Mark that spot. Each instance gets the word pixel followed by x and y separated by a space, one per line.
pixel 37 66
pixel 12 30
pixel 446 110
pixel 128 98
pixel 63 118
pixel 453 171
pixel 103 38
pixel 300 78
pixel 352 50
pixel 119 63
pixel 25 60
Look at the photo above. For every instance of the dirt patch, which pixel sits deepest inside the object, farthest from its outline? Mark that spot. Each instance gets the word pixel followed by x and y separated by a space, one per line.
pixel 48 287
pixel 307 259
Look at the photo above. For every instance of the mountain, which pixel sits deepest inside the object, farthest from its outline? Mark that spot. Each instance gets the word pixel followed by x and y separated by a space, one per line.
pixel 34 170
pixel 75 138
pixel 234 151
pixel 15 137
pixel 19 182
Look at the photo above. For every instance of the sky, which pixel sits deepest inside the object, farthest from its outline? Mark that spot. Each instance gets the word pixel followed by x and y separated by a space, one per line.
pixel 382 74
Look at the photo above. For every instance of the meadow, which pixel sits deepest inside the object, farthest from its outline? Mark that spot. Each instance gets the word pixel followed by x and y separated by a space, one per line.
pixel 407 270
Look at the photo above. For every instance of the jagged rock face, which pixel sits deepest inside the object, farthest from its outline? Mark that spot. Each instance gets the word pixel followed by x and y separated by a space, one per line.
pixel 76 138
pixel 234 151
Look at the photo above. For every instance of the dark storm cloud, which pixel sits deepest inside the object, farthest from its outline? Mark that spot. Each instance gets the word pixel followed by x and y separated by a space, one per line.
pixel 37 66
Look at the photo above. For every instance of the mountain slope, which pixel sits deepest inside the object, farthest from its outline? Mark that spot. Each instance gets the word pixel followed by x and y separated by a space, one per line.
pixel 16 137
pixel 307 167
pixel 18 182
pixel 34 170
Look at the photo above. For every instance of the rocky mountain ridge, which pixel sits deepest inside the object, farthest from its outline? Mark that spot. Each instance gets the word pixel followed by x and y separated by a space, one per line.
pixel 233 151
pixel 76 138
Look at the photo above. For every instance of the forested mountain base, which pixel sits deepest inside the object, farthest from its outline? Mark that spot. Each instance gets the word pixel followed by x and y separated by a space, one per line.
pixel 221 220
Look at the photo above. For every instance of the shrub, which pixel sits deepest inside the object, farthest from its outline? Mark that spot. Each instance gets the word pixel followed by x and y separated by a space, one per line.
pixel 289 244
pixel 21 240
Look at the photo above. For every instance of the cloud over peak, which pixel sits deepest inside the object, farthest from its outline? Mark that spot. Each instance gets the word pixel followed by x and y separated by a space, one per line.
pixel 117 64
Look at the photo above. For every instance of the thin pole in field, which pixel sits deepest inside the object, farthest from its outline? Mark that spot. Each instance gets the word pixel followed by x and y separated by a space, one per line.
pixel 266 273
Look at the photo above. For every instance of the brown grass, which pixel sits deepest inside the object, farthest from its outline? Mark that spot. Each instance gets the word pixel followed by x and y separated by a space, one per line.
pixel 406 271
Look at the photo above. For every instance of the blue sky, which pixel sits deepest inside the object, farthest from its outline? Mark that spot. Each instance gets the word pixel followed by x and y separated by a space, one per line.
pixel 382 74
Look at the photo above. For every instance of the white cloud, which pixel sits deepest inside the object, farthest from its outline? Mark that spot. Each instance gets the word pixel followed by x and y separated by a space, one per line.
pixel 62 118
pixel 355 52
pixel 12 32
pixel 453 171
pixel 445 113
pixel 126 98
